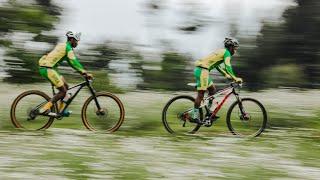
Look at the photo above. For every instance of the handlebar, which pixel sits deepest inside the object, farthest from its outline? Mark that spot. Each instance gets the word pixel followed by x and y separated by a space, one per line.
pixel 90 80
pixel 235 84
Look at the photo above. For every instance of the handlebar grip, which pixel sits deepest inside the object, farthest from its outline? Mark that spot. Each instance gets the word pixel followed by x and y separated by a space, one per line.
pixel 236 84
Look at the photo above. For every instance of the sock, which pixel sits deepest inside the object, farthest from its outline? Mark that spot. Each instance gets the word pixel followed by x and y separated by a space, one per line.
pixel 45 107
pixel 195 114
pixel 61 105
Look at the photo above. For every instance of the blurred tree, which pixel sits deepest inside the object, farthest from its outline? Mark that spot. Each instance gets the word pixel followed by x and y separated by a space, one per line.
pixel 100 55
pixel 194 17
pixel 172 75
pixel 31 18
pixel 293 44
pixel 122 57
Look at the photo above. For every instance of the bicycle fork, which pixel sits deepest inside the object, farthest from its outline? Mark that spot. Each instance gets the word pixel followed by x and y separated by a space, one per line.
pixel 244 115
pixel 100 111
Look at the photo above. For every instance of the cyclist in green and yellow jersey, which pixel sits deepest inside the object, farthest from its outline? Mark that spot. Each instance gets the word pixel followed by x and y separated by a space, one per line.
pixel 48 68
pixel 205 65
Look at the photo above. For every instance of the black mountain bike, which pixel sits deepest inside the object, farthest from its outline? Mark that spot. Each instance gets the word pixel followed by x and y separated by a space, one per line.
pixel 101 111
pixel 245 117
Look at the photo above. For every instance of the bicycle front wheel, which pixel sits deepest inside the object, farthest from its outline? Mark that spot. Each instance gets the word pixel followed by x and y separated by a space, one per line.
pixel 177 113
pixel 247 118
pixel 109 117
pixel 27 103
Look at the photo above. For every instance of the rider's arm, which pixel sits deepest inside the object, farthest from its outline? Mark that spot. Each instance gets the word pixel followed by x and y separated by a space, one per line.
pixel 74 62
pixel 227 64
pixel 222 71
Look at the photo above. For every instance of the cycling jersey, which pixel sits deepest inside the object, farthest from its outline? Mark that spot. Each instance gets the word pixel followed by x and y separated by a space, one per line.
pixel 215 59
pixel 62 51
pixel 201 72
pixel 48 63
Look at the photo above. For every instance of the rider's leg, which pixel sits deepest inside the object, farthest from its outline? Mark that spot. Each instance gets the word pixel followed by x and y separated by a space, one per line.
pixel 199 98
pixel 62 104
pixel 202 80
pixel 65 82
pixel 197 103
pixel 212 91
pixel 60 95
pixel 56 79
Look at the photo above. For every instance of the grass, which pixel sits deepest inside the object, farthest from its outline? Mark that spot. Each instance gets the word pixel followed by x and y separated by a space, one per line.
pixel 142 149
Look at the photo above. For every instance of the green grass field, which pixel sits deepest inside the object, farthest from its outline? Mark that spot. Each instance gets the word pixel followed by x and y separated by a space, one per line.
pixel 142 149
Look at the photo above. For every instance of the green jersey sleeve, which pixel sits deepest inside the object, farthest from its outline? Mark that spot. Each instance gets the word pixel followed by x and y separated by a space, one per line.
pixel 223 72
pixel 227 63
pixel 72 60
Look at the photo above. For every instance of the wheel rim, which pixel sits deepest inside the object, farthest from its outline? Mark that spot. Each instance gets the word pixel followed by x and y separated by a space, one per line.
pixel 177 116
pixel 109 117
pixel 251 123
pixel 22 109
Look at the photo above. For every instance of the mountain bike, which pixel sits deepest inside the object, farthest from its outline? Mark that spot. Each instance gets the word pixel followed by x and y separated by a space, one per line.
pixel 101 111
pixel 245 116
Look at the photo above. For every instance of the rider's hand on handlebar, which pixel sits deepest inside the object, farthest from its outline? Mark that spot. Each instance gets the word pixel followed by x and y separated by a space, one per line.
pixel 238 80
pixel 87 75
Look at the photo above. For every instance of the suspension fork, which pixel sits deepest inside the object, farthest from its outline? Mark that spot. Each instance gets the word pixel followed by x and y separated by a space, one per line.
pixel 93 92
pixel 239 102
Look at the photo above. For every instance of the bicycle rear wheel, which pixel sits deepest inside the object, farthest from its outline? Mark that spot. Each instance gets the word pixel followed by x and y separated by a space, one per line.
pixel 24 104
pixel 248 118
pixel 176 115
pixel 108 118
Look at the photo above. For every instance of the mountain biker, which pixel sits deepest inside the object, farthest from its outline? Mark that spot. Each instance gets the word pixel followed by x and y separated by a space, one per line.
pixel 48 68
pixel 205 65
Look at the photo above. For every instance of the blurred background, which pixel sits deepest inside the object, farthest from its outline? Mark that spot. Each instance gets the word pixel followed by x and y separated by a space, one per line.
pixel 151 44
pixel 144 52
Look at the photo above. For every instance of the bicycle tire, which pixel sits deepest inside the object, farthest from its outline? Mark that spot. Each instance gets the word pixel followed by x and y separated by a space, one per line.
pixel 13 110
pixel 84 112
pixel 166 107
pixel 264 119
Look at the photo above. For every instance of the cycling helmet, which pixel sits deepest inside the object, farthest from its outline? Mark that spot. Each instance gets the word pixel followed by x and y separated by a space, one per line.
pixel 230 42
pixel 76 36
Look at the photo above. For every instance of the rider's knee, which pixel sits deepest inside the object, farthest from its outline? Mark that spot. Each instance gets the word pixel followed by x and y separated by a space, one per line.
pixel 201 94
pixel 66 86
pixel 63 90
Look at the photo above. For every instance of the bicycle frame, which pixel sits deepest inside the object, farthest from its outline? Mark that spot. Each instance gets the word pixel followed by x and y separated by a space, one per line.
pixel 80 85
pixel 226 92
